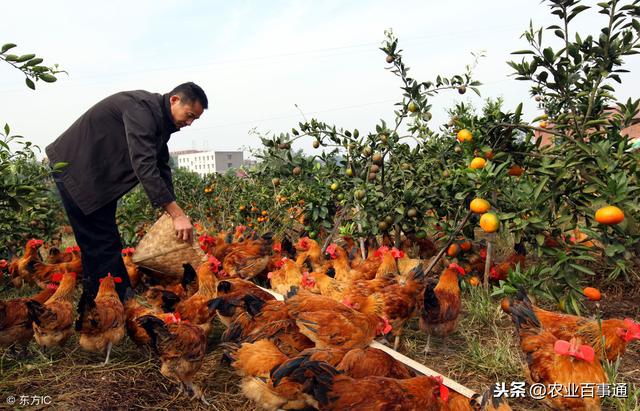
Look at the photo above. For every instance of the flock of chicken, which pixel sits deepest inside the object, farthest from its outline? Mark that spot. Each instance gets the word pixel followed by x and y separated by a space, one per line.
pixel 312 349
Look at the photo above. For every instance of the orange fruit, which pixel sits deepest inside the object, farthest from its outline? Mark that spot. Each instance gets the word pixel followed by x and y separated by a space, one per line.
pixel 505 304
pixel 453 250
pixel 412 107
pixel 264 212
pixel 489 155
pixel 515 170
pixel 543 124
pixel 477 163
pixel 242 208
pixel 479 205
pixel 474 281
pixel 465 246
pixel 609 215
pixel 489 222
pixel 464 135
pixel 592 293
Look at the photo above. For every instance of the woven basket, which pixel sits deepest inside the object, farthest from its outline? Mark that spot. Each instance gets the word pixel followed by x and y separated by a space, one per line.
pixel 162 252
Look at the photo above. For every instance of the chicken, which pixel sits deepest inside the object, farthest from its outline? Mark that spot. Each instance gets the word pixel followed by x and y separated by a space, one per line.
pixel 353 251
pixel 196 308
pixel 181 347
pixel 15 324
pixel 286 276
pixel 441 304
pixel 309 254
pixel 617 333
pixel 249 258
pixel 23 269
pixel 338 260
pixel 133 311
pixel 56 256
pixel 329 323
pixel 132 268
pixel 208 243
pixel 500 271
pixel 281 249
pixel 369 361
pixel 324 283
pixel 53 319
pixel 230 297
pixel 101 321
pixel 554 361
pixel 488 401
pixel 335 391
pixel 400 301
pixel 426 247
pixel 166 297
pixel 43 272
pixel 254 362
pixel 388 267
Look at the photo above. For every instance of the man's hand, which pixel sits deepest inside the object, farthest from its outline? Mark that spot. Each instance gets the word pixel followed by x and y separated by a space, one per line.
pixel 181 222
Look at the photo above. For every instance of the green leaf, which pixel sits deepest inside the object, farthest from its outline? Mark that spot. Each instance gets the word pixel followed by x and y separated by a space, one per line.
pixel 24 58
pixel 30 83
pixel 523 52
pixel 33 62
pixel 7 47
pixel 48 78
pixel 583 269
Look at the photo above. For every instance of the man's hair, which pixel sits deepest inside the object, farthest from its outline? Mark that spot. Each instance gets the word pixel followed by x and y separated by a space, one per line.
pixel 190 92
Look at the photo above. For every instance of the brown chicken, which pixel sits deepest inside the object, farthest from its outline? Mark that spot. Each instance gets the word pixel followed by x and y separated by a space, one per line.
pixel 254 362
pixel 56 256
pixel 369 362
pixel 53 320
pixel 44 272
pixel 441 304
pixel 286 276
pixel 500 271
pixel 181 347
pixel 132 268
pixel 101 321
pixel 230 301
pixel 335 391
pixel 196 308
pixel 554 361
pixel 248 258
pixel 23 269
pixel 133 311
pixel 15 324
pixel 329 323
pixel 323 283
pixel 400 301
pixel 617 333
pixel 309 254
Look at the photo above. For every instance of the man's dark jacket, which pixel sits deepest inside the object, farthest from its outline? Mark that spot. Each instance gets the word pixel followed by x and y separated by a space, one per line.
pixel 120 141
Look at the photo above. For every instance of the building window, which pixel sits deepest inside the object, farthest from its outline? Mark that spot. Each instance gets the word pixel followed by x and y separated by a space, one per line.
pixel 229 156
pixel 229 165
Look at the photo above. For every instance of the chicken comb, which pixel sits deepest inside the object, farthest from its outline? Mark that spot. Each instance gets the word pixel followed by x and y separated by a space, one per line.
pixel 381 250
pixel 52 286
pixel 459 269
pixel 345 301
pixel 633 330
pixel 331 249
pixel 3 264
pixel 443 391
pixel 115 279
pixel 68 250
pixel 397 253
pixel 57 277
pixel 215 263
pixel 281 262
pixel 387 327
pixel 75 248
pixel 583 352
pixel 494 274
pixel 172 318
pixel 277 247
pixel 303 243
pixel 241 229
pixel 483 253
pixel 34 242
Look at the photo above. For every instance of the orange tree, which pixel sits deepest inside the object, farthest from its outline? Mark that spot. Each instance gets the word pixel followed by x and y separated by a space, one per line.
pixel 590 163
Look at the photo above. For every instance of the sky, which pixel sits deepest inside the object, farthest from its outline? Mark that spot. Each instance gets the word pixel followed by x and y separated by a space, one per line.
pixel 266 65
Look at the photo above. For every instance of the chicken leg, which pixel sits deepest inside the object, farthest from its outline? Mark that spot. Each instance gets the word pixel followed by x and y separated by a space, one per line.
pixel 106 361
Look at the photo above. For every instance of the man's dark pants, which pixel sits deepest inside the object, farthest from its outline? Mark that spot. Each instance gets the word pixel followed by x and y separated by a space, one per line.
pixel 100 244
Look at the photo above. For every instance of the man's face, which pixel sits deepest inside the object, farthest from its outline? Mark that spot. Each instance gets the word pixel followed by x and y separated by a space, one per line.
pixel 184 113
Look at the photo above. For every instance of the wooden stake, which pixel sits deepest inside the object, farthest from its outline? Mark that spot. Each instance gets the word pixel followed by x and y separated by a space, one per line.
pixel 487 263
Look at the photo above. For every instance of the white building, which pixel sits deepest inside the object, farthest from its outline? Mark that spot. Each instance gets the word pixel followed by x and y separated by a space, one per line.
pixel 207 162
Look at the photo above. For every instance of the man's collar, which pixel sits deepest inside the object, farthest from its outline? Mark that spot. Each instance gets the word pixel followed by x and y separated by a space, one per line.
pixel 166 111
